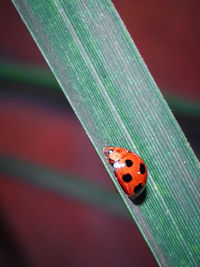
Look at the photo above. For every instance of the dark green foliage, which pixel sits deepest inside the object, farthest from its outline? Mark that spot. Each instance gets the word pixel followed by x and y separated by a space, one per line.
pixel 118 103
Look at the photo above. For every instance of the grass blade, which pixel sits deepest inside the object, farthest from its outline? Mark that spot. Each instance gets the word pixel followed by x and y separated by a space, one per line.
pixel 42 77
pixel 118 103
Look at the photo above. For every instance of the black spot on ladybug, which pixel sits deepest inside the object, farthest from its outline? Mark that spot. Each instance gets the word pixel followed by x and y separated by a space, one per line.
pixel 127 177
pixel 129 163
pixel 138 188
pixel 142 168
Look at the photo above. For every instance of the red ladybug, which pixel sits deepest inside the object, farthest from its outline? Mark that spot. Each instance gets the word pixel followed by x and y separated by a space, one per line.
pixel 129 169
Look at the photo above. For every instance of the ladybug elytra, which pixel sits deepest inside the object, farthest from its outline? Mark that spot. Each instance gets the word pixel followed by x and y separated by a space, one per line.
pixel 130 170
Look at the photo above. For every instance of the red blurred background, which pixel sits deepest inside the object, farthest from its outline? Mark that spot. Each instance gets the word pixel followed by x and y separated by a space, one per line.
pixel 40 227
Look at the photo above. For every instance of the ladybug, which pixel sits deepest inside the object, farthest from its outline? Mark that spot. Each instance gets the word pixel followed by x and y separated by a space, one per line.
pixel 130 170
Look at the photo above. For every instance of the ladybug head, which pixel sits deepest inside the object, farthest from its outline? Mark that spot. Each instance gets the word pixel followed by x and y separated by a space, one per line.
pixel 114 153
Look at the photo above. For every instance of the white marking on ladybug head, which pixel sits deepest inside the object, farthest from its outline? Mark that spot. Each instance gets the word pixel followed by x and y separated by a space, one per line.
pixel 118 165
pixel 110 151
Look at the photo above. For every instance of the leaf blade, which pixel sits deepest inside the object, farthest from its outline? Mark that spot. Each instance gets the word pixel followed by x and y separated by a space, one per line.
pixel 117 101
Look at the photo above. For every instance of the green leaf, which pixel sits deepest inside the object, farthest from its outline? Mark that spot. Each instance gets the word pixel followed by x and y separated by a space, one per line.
pixel 40 76
pixel 118 103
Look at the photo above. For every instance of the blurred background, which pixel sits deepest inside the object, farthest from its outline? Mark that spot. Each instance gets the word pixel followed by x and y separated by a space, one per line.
pixel 58 206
